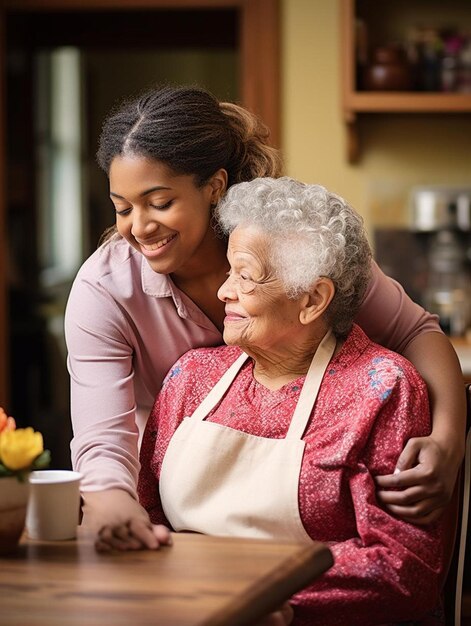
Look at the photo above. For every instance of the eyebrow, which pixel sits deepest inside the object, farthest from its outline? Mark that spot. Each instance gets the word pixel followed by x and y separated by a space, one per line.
pixel 144 193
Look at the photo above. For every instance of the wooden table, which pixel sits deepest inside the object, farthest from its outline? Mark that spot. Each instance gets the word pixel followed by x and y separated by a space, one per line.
pixel 200 580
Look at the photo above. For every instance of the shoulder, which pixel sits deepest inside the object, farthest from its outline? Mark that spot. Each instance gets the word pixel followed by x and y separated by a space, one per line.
pixel 393 405
pixel 389 316
pixel 204 366
pixel 380 370
pixel 377 398
pixel 105 280
pixel 192 377
pixel 108 258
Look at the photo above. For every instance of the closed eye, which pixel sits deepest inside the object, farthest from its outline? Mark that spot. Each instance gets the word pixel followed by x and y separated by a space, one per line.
pixel 123 211
pixel 161 207
pixel 239 276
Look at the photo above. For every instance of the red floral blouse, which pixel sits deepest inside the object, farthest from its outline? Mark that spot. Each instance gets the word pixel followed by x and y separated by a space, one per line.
pixel 370 403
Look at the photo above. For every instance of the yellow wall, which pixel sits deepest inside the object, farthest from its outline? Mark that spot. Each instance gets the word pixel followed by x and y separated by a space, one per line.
pixel 398 151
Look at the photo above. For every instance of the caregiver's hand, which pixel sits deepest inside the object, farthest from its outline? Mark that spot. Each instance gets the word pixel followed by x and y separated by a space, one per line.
pixel 109 508
pixel 135 534
pixel 425 476
pixel 107 515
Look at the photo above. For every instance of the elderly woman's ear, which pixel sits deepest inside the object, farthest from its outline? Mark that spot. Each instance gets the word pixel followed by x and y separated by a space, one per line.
pixel 315 303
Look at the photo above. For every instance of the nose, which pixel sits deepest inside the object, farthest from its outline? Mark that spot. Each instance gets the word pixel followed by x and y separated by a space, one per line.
pixel 142 223
pixel 226 291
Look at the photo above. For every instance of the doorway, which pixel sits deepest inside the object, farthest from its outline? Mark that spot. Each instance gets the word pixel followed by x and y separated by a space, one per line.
pixel 65 65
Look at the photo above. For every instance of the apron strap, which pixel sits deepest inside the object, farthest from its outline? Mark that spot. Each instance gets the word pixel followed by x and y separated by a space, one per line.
pixel 219 389
pixel 312 382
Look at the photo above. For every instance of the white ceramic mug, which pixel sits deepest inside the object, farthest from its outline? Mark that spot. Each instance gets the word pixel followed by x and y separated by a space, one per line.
pixel 53 506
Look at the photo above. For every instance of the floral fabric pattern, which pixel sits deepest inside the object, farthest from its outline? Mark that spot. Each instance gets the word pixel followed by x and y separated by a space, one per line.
pixel 384 375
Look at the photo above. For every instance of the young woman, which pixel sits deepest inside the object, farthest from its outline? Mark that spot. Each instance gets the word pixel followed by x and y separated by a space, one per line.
pixel 148 294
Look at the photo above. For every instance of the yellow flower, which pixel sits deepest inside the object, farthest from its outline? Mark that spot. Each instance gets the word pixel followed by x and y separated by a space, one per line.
pixel 19 448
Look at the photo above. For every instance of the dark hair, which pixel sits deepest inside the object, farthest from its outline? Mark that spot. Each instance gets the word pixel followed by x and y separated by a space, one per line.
pixel 190 131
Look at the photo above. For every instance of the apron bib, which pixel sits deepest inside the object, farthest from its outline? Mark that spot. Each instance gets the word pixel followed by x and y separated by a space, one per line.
pixel 220 481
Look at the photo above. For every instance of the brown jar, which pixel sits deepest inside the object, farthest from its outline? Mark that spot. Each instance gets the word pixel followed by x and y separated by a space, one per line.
pixel 388 71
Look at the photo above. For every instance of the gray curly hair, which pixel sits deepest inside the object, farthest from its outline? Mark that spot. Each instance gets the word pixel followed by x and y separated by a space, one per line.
pixel 313 233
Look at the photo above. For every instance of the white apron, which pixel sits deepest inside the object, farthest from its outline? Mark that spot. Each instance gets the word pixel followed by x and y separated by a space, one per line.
pixel 220 481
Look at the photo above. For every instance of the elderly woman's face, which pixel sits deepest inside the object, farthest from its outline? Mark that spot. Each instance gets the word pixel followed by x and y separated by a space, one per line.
pixel 259 315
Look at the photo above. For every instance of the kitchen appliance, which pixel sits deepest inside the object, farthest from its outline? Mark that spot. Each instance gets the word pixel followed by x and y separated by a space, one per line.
pixel 442 215
pixel 435 208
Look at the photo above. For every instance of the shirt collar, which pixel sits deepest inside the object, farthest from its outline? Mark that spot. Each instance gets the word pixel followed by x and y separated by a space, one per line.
pixel 154 284
pixel 162 286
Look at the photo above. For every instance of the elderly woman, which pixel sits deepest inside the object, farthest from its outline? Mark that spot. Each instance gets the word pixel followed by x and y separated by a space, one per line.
pixel 280 433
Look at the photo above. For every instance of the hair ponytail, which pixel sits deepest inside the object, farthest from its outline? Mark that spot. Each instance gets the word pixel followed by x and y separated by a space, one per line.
pixel 252 156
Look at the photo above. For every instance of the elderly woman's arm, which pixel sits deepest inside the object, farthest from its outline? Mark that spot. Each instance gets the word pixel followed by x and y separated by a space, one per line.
pixel 386 567
pixel 429 465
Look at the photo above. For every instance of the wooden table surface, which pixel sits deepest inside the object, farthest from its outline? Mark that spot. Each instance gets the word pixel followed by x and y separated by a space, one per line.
pixel 199 581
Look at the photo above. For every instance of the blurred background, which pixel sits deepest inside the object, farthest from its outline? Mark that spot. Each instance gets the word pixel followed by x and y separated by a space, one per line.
pixel 373 103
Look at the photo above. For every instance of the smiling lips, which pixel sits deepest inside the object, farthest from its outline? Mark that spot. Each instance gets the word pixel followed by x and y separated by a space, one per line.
pixel 231 316
pixel 158 245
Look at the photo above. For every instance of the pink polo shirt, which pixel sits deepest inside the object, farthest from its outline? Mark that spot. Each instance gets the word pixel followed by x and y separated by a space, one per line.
pixel 126 326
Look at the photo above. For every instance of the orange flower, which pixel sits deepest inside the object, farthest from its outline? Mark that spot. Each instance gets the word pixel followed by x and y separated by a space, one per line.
pixel 6 423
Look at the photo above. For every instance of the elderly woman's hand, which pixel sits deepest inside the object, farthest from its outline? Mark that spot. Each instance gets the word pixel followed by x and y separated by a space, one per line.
pixel 425 476
pixel 135 534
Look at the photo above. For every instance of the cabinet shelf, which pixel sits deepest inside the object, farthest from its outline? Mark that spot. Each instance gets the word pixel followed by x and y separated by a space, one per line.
pixel 407 102
pixel 355 102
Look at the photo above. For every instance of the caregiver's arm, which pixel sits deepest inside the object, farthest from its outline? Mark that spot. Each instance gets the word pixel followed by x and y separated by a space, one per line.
pixel 136 528
pixel 392 319
pixel 104 447
pixel 105 443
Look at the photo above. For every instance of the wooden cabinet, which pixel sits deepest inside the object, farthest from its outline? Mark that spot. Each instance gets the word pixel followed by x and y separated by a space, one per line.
pixel 387 22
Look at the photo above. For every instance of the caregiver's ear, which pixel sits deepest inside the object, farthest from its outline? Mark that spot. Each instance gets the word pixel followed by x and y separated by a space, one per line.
pixel 218 184
pixel 315 303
